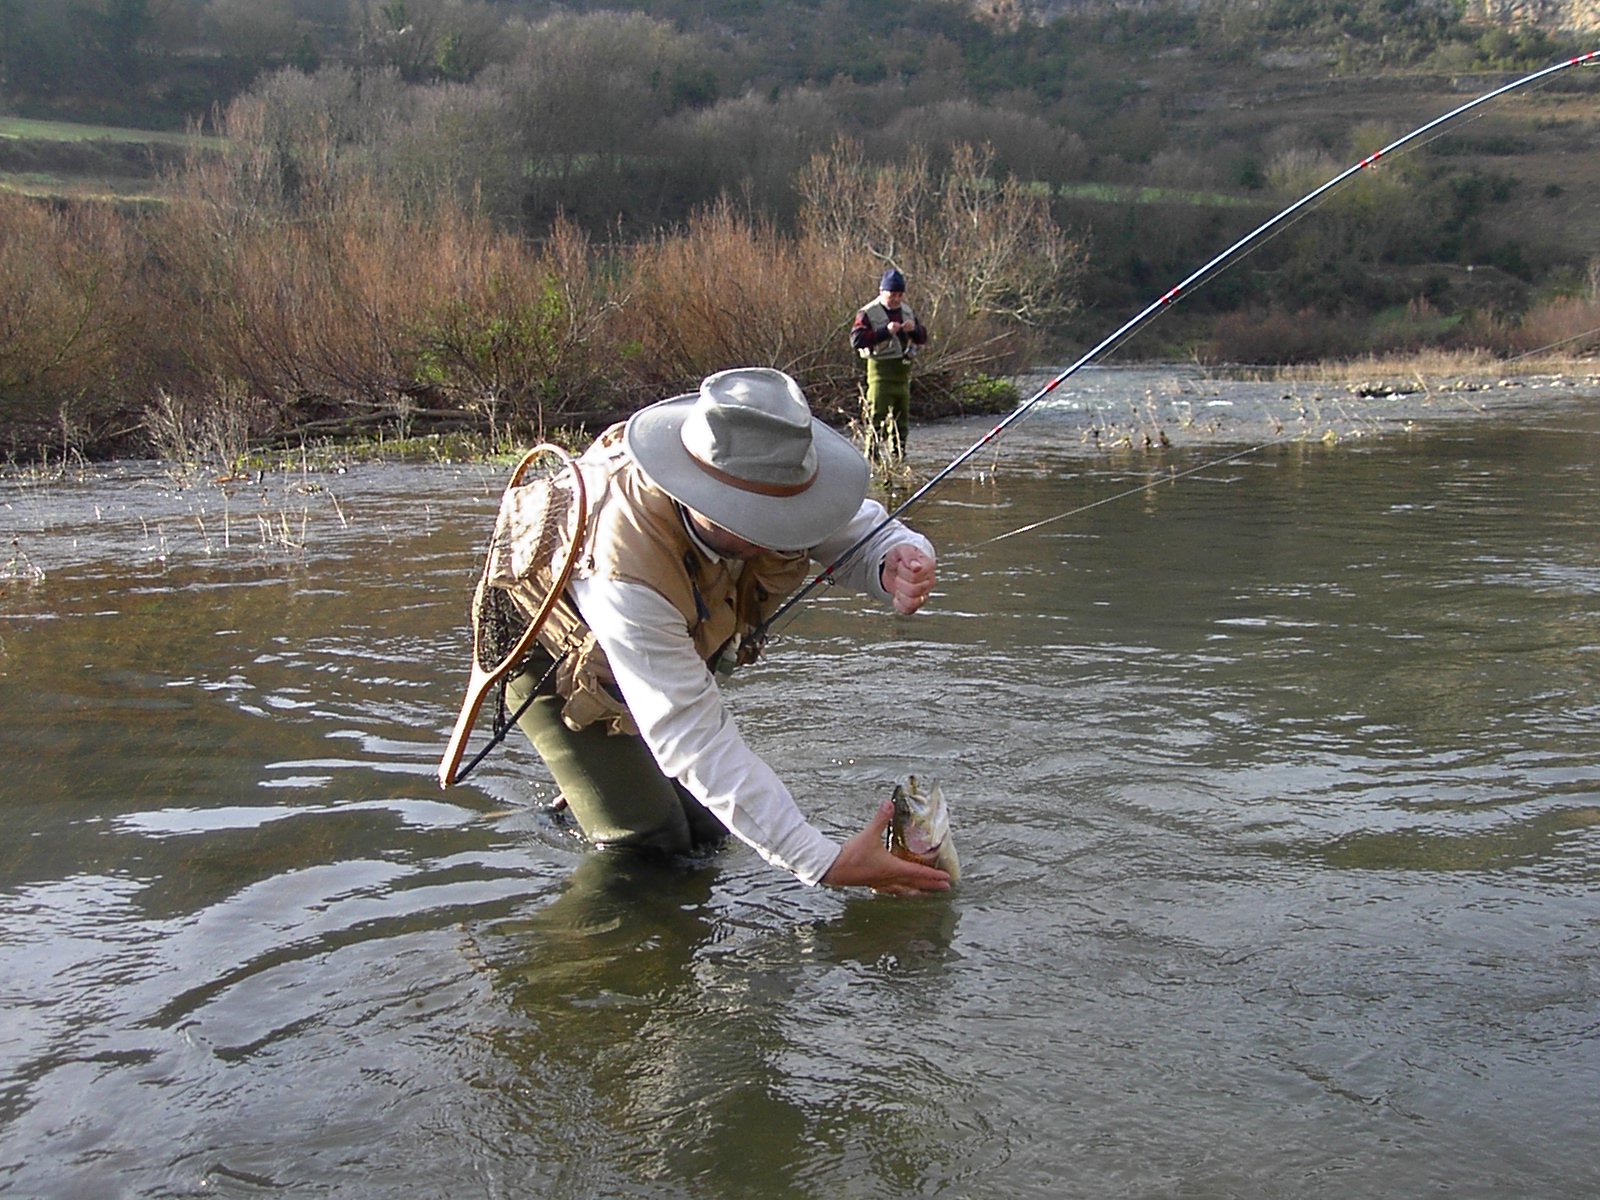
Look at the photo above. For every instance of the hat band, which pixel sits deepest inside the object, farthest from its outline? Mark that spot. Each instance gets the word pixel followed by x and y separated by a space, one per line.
pixel 751 485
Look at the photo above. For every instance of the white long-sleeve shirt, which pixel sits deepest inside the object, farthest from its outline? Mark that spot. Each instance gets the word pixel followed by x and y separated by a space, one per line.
pixel 675 702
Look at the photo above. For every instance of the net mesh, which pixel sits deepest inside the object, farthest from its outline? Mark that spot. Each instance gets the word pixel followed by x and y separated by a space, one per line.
pixel 500 624
pixel 534 532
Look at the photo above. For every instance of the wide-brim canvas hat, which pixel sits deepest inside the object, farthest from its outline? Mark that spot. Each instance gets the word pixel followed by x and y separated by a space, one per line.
pixel 745 453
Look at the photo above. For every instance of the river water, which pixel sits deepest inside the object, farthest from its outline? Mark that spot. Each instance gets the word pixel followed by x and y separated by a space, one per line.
pixel 1277 786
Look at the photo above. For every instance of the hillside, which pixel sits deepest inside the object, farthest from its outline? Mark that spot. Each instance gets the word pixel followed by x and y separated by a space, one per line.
pixel 1539 145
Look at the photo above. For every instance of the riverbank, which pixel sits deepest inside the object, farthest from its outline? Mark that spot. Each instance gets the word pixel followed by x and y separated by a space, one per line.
pixel 1325 399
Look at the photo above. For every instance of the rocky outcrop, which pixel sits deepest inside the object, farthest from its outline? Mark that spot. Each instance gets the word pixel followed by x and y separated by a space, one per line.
pixel 1555 16
pixel 1566 16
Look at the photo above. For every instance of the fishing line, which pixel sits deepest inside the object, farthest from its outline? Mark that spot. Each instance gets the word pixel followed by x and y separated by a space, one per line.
pixel 1215 265
pixel 1148 485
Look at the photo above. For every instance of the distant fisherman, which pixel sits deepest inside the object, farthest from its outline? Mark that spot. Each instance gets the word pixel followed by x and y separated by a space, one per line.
pixel 705 513
pixel 887 334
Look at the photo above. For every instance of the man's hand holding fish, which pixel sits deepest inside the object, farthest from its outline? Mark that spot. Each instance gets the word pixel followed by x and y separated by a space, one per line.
pixel 866 862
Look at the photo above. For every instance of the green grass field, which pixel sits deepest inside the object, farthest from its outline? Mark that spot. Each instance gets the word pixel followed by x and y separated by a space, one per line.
pixel 22 128
pixel 68 160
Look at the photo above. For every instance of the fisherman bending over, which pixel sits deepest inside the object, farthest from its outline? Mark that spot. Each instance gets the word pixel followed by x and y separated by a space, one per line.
pixel 705 513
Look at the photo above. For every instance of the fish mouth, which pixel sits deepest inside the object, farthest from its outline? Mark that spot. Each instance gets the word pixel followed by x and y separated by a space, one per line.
pixel 922 848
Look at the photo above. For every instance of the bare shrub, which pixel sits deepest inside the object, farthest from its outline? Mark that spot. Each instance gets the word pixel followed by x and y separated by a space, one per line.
pixel 345 303
pixel 1567 323
pixel 456 141
pixel 988 267
pixel 66 314
pixel 1295 171
pixel 729 291
pixel 425 39
pixel 213 429
pixel 1486 329
pixel 290 286
pixel 296 141
pixel 587 97
pixel 294 308
pixel 995 248
pixel 761 141
pixel 851 204
pixel 521 337
pixel 1258 337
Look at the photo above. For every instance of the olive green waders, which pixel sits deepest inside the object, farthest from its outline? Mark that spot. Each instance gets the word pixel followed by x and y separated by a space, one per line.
pixel 889 402
pixel 610 781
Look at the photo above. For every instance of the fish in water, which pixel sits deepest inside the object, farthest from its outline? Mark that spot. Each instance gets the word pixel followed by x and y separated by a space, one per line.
pixel 919 831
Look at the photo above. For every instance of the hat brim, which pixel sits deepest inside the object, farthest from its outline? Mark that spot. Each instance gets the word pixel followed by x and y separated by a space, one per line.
pixel 653 436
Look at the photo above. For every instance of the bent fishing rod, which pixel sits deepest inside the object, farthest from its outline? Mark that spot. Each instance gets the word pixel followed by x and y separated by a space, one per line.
pixel 1126 330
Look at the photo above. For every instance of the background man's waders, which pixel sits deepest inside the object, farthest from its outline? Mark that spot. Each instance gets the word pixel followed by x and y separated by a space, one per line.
pixel 889 399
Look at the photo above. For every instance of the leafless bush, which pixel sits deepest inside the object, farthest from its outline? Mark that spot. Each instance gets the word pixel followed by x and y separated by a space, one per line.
pixel 730 290
pixel 762 141
pixel 1567 323
pixel 986 263
pixel 67 311
pixel 457 140
pixel 1254 336
pixel 523 337
pixel 344 303
pixel 286 288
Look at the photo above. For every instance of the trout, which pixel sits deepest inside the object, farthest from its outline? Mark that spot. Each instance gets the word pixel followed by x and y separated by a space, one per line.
pixel 919 831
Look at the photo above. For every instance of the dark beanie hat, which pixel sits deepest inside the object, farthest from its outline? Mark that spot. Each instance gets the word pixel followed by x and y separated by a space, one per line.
pixel 892 281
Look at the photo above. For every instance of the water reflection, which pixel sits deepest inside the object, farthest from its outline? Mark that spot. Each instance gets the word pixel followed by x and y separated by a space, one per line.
pixel 624 928
pixel 687 1043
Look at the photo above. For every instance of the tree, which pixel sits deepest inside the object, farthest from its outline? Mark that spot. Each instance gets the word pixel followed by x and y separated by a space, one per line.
pixel 257 32
pixel 430 39
pixel 116 29
pixel 39 54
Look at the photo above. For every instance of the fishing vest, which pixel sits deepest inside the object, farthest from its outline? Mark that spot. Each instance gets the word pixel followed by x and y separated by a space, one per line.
pixel 635 533
pixel 899 346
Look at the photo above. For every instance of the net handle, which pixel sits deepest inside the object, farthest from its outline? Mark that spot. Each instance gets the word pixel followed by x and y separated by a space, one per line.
pixel 482 679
